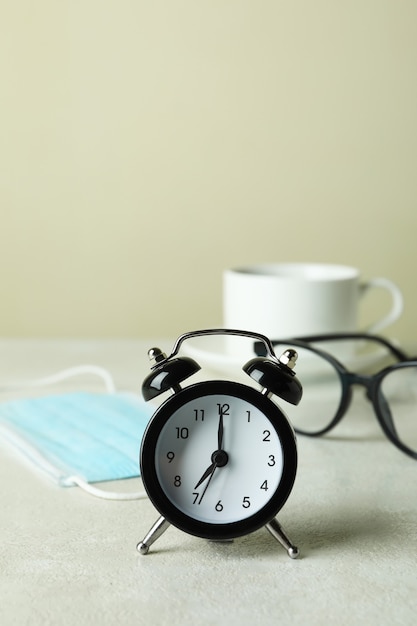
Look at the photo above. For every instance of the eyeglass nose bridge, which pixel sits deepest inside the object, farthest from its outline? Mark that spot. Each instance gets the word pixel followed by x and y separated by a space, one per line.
pixel 360 379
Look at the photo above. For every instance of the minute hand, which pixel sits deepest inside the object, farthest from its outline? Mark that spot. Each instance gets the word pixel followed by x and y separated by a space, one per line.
pixel 220 433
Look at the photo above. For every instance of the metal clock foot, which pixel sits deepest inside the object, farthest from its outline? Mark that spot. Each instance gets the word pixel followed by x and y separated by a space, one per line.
pixel 280 535
pixel 155 532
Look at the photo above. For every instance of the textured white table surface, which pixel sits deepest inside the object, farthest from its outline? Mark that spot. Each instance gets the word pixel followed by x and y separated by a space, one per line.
pixel 67 557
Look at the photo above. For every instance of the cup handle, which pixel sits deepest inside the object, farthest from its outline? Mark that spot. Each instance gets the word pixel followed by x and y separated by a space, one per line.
pixel 397 302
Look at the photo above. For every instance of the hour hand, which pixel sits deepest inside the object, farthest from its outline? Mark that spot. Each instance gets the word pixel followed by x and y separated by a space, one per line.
pixel 220 458
pixel 206 474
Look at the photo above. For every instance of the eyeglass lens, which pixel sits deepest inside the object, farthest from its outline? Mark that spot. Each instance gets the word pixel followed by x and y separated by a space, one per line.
pixel 322 393
pixel 397 398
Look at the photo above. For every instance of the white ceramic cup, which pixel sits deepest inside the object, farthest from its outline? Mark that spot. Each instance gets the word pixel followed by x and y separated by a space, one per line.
pixel 286 300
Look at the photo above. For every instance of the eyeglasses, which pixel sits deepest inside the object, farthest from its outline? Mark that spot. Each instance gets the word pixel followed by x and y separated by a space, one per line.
pixel 327 385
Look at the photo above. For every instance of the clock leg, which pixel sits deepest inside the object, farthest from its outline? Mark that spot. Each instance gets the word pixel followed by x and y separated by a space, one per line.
pixel 155 532
pixel 278 532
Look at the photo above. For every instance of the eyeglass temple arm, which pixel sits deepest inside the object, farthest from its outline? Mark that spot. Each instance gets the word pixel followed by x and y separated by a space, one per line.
pixel 397 352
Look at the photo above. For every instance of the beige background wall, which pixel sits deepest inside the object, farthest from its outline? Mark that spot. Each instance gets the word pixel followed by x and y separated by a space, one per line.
pixel 145 146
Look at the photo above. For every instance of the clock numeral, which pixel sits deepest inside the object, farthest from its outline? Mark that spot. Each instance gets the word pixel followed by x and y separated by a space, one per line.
pixel 199 414
pixel 195 494
pixel 182 433
pixel 170 457
pixel 271 460
pixel 248 414
pixel 267 435
pixel 223 408
pixel 264 485
pixel 177 481
pixel 246 502
pixel 219 506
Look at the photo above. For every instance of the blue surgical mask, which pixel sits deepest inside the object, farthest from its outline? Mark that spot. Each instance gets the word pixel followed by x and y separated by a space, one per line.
pixel 79 438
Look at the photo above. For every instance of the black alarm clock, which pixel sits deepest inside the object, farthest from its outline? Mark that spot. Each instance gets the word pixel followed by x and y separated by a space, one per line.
pixel 218 458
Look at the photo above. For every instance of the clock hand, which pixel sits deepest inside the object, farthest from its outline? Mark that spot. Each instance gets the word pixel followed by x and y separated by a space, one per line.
pixel 216 459
pixel 212 467
pixel 220 433
pixel 220 458
pixel 209 470
pixel 208 482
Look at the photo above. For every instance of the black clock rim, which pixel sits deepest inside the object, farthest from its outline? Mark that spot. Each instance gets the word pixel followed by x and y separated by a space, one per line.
pixel 199 528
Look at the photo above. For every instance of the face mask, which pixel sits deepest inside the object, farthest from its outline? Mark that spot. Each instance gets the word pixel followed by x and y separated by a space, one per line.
pixel 79 438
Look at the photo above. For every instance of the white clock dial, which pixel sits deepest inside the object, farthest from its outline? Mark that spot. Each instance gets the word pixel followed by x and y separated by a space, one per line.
pixel 252 457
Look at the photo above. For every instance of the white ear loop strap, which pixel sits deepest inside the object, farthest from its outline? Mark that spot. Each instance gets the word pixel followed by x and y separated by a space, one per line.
pixel 110 388
pixel 78 370
pixel 101 493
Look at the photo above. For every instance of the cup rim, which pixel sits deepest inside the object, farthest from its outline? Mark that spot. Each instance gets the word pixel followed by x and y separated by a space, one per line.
pixel 295 271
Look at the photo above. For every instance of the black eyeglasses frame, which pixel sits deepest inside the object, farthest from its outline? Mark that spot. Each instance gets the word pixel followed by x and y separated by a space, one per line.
pixel 348 379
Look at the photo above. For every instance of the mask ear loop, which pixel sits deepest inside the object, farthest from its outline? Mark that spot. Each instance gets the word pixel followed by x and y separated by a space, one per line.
pixel 101 493
pixel 79 370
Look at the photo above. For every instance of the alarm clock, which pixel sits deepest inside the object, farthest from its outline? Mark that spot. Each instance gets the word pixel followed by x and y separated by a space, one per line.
pixel 218 458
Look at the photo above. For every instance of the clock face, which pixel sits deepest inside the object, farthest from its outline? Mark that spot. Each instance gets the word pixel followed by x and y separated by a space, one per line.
pixel 218 459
